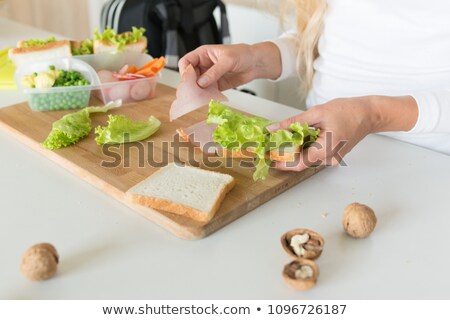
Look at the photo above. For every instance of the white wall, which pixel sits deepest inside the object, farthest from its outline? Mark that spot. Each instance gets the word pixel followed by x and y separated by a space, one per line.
pixel 95 8
pixel 250 25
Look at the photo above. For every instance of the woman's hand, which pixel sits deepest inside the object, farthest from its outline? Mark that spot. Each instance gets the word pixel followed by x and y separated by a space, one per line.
pixel 233 65
pixel 344 123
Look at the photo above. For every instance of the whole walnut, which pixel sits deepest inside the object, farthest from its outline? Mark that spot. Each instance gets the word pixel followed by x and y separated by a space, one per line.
pixel 359 220
pixel 40 262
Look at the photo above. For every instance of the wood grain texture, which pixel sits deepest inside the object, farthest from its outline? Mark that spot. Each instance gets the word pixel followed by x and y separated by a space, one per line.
pixel 69 18
pixel 115 169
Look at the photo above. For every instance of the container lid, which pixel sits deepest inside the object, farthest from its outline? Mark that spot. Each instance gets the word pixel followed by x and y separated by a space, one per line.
pixel 114 61
pixel 67 64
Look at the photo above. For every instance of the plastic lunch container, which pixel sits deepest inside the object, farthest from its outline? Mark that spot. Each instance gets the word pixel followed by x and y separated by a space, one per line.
pixel 76 97
pixel 58 98
pixel 127 90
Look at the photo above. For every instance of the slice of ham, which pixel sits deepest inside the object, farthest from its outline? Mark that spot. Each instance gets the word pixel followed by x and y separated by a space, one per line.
pixel 190 96
pixel 200 135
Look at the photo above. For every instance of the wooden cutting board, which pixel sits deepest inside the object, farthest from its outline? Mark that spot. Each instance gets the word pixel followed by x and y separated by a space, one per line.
pixel 114 169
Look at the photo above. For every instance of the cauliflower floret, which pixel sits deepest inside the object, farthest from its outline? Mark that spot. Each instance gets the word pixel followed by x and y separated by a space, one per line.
pixel 44 80
pixel 28 82
pixel 56 73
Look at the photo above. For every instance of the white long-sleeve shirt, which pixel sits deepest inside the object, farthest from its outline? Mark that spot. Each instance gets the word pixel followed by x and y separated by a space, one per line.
pixel 385 47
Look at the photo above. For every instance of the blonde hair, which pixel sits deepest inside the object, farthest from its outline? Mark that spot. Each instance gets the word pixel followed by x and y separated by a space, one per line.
pixel 310 16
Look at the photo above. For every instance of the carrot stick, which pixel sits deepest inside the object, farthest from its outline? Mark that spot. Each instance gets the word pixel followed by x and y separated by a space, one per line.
pixel 132 69
pixel 158 65
pixel 144 70
pixel 153 67
pixel 148 64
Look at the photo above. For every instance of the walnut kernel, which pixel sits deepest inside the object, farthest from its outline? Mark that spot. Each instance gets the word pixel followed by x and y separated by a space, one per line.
pixel 301 274
pixel 303 243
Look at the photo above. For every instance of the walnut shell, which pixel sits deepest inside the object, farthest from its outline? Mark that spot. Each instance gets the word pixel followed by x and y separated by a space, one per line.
pixel 359 220
pixel 40 262
pixel 312 249
pixel 290 270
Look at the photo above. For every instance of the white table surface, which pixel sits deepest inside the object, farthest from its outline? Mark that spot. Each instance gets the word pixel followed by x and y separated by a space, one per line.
pixel 110 252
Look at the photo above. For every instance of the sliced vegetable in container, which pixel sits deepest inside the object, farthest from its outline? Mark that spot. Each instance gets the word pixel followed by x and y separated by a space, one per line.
pixel 127 76
pixel 42 97
pixel 54 78
pixel 153 67
pixel 120 91
pixel 132 69
pixel 140 90
pixel 120 86
pixel 132 72
pixel 106 76
pixel 123 69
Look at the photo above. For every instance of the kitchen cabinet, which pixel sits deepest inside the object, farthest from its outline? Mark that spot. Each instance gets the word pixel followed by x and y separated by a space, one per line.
pixel 69 18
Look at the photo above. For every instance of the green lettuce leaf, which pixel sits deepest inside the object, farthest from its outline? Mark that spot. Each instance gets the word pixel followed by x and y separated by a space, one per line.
pixel 86 47
pixel 300 135
pixel 261 169
pixel 236 131
pixel 122 39
pixel 283 139
pixel 309 134
pixel 107 35
pixel 122 129
pixel 37 42
pixel 74 126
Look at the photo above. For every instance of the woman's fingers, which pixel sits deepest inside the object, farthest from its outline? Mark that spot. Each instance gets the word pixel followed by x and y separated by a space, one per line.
pixel 208 77
pixel 183 63
pixel 216 71
pixel 225 65
pixel 191 58
pixel 313 156
pixel 343 123
pixel 311 116
pixel 210 61
pixel 326 151
pixel 284 124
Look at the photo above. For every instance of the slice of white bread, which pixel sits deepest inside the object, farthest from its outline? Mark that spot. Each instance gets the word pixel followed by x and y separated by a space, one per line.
pixel 56 49
pixel 286 155
pixel 188 191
